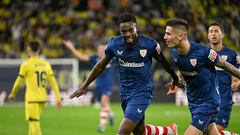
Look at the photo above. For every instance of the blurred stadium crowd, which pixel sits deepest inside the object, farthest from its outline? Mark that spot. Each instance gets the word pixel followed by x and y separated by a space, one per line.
pixel 90 22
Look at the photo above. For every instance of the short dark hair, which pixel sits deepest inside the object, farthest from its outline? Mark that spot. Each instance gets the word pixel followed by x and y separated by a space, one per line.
pixel 34 45
pixel 127 17
pixel 216 24
pixel 179 23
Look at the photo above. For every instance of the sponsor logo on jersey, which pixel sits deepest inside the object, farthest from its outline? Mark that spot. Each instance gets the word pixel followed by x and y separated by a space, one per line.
pixel 130 64
pixel 187 73
pixel 193 62
pixel 158 49
pixel 212 55
pixel 143 52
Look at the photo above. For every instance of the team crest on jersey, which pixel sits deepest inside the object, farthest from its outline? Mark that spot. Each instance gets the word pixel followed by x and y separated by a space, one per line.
pixel 212 55
pixel 158 48
pixel 193 62
pixel 143 52
pixel 238 59
pixel 224 57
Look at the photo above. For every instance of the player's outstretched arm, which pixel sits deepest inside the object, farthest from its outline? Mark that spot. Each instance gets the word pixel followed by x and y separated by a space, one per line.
pixel 228 67
pixel 75 52
pixel 177 81
pixel 96 71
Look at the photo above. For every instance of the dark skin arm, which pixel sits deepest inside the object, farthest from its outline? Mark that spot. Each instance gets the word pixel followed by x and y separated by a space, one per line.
pixel 176 80
pixel 228 67
pixel 96 71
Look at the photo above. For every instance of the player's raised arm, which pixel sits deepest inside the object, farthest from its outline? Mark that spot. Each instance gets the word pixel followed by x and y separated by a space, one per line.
pixel 96 71
pixel 228 67
pixel 75 52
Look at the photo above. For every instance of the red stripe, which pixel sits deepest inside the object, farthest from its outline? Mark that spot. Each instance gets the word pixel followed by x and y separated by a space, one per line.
pixel 221 132
pixel 156 130
pixel 103 117
pixel 165 132
pixel 148 128
pixel 107 111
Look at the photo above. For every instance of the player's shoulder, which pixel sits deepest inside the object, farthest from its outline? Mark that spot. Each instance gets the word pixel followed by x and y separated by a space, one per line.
pixel 148 42
pixel 200 47
pixel 229 51
pixel 43 60
pixel 147 39
pixel 25 63
pixel 115 41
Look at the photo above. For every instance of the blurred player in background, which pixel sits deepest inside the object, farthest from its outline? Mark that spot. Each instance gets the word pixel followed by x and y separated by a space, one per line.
pixel 215 37
pixel 36 72
pixel 197 65
pixel 104 83
pixel 134 54
pixel 3 95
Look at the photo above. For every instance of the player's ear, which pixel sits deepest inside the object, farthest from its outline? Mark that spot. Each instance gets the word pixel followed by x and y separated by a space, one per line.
pixel 181 36
pixel 222 35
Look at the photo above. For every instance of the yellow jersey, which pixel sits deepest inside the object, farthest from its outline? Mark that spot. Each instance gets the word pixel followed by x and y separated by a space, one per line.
pixel 36 72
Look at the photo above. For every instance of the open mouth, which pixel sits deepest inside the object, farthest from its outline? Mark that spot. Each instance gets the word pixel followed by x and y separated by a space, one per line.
pixel 129 40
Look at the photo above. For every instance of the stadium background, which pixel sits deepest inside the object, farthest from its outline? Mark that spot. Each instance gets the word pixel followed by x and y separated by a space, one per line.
pixel 91 22
pixel 88 23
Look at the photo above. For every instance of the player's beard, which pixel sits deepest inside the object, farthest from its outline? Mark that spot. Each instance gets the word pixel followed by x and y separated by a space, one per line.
pixel 133 39
pixel 216 43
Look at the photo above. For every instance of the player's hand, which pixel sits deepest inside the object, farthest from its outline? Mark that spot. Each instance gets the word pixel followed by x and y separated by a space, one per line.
pixel 175 85
pixel 59 104
pixel 171 88
pixel 78 92
pixel 235 85
pixel 180 83
pixel 11 98
pixel 68 44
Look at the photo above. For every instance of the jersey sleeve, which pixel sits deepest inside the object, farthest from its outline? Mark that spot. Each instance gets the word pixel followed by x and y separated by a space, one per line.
pixel 237 60
pixel 53 83
pixel 19 81
pixel 93 59
pixel 109 50
pixel 157 48
pixel 23 70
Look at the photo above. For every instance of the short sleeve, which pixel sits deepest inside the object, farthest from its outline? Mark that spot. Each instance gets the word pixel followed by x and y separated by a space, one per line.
pixel 157 48
pixel 50 71
pixel 22 71
pixel 109 50
pixel 93 60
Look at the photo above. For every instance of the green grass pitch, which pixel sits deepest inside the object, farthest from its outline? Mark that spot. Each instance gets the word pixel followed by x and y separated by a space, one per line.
pixel 74 120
